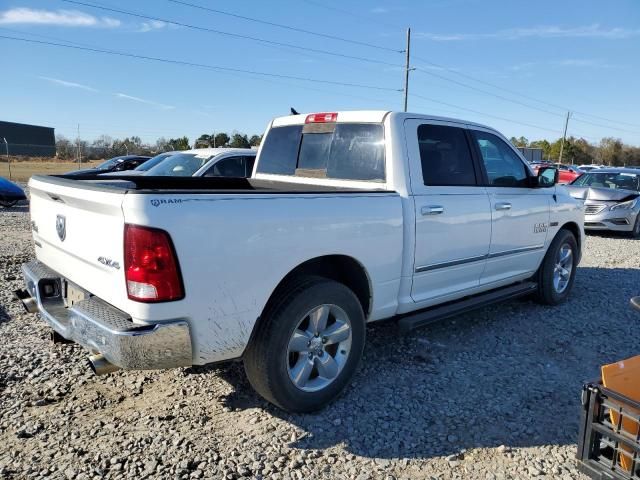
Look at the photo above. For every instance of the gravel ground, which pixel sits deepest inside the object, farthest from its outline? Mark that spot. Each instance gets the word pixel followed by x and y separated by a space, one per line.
pixel 489 395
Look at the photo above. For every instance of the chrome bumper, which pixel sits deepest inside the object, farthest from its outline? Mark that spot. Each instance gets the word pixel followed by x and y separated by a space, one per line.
pixel 101 328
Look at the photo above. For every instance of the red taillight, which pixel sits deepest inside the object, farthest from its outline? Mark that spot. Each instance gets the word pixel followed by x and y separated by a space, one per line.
pixel 150 265
pixel 321 118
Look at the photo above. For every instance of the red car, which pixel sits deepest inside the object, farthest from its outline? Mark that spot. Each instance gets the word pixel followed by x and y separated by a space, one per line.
pixel 566 173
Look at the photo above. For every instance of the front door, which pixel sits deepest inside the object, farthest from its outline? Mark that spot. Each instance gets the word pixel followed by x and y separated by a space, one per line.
pixel 452 214
pixel 520 213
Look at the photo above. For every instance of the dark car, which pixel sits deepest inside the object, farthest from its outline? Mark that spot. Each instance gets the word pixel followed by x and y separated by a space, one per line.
pixel 10 193
pixel 115 164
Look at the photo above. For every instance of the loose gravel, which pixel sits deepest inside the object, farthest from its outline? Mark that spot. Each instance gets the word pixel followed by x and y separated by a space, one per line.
pixel 489 395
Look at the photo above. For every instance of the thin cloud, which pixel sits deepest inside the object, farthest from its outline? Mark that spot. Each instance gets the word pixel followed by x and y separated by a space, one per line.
pixel 543 31
pixel 152 25
pixel 62 18
pixel 569 63
pixel 380 10
pixel 66 83
pixel 142 100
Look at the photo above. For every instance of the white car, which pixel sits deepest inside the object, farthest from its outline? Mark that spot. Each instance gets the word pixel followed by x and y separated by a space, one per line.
pixel 207 162
pixel 587 168
pixel 349 218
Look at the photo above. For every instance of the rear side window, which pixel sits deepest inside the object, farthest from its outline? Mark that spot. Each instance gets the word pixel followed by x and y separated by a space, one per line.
pixel 504 168
pixel 445 156
pixel 232 167
pixel 349 151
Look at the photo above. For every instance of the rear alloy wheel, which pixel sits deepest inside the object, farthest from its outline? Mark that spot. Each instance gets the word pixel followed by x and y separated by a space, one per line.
pixel 307 346
pixel 558 269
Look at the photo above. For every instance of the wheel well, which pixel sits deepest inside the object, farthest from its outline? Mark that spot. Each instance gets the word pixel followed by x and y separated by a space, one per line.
pixel 575 229
pixel 341 268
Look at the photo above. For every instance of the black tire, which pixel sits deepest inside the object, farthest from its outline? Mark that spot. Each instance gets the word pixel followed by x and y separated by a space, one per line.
pixel 547 293
pixel 266 360
pixel 8 203
pixel 635 233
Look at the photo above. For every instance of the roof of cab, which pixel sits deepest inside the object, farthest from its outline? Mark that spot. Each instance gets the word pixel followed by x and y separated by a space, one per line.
pixel 370 116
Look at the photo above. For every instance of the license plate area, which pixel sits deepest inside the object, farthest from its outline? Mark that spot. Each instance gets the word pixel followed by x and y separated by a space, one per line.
pixel 73 294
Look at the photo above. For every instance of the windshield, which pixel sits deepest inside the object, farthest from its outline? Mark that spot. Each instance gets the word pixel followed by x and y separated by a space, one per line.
pixel 149 164
pixel 615 180
pixel 350 151
pixel 109 164
pixel 180 165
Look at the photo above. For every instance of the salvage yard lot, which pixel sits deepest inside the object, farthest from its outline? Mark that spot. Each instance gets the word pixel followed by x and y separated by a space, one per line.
pixel 491 394
pixel 21 171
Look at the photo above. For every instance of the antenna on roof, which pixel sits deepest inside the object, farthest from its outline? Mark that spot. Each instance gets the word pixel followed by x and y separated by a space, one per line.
pixel 294 111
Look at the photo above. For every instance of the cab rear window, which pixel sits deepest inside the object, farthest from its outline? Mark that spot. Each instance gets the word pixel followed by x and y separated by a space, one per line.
pixel 348 151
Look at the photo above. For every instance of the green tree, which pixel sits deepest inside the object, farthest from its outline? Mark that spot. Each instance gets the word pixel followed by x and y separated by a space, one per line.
pixel 239 141
pixel 178 144
pixel 519 142
pixel 611 151
pixel 255 140
pixel 222 139
pixel 203 141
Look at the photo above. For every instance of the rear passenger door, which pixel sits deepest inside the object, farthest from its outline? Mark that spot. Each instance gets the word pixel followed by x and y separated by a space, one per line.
pixel 452 214
pixel 520 213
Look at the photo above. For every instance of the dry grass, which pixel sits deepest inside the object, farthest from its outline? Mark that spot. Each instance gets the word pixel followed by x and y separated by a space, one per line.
pixel 22 171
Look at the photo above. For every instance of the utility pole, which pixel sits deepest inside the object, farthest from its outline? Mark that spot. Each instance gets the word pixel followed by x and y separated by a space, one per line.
pixel 407 69
pixel 564 136
pixel 214 139
pixel 6 145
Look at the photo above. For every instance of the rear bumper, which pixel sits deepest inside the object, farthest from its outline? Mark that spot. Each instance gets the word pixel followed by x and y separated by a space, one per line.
pixel 101 328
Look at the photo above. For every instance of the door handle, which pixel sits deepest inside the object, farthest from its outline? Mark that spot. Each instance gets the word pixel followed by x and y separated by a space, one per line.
pixel 432 210
pixel 503 206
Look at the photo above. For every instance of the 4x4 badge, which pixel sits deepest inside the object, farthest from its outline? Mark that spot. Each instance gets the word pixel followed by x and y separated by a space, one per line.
pixel 61 227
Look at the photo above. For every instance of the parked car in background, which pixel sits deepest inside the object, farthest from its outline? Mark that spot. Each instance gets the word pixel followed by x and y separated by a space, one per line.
pixel 115 164
pixel 588 168
pixel 10 193
pixel 144 167
pixel 207 162
pixel 610 198
pixel 567 173
pixel 350 217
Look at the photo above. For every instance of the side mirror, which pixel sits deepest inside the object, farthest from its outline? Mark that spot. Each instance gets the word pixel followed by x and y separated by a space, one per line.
pixel 547 177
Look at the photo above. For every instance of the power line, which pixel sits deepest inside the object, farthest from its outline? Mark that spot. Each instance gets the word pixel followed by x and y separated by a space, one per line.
pixel 286 27
pixel 514 92
pixel 482 113
pixel 200 65
pixel 353 14
pixel 486 92
pixel 231 34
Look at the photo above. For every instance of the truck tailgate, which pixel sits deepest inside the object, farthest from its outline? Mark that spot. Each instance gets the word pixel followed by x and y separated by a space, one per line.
pixel 78 232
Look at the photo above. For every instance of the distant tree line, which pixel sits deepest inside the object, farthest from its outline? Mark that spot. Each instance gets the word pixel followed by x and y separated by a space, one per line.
pixel 578 151
pixel 107 147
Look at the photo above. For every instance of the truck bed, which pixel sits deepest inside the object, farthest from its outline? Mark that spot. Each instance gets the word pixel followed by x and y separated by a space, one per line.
pixel 137 184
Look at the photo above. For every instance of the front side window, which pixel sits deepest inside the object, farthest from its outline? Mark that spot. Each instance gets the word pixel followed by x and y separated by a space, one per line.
pixel 445 156
pixel 504 168
pixel 348 151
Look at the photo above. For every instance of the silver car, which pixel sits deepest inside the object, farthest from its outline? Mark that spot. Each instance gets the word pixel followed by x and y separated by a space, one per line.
pixel 611 199
pixel 207 162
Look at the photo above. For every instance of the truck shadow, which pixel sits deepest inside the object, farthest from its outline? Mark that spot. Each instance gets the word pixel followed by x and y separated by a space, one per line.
pixel 4 314
pixel 509 375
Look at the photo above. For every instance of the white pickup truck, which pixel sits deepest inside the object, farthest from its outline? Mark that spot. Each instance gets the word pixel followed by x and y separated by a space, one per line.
pixel 349 218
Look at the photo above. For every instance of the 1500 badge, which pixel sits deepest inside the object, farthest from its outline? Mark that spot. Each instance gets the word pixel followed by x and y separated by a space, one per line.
pixel 539 227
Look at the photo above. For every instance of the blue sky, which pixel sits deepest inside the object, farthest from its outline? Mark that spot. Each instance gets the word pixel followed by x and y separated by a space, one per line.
pixel 526 63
